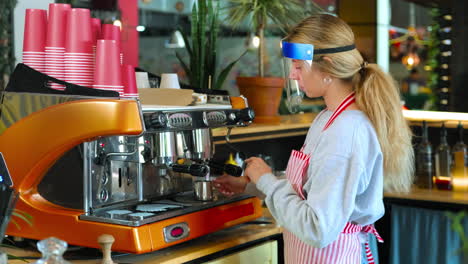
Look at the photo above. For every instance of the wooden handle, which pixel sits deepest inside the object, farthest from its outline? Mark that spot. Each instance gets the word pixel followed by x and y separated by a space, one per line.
pixel 106 242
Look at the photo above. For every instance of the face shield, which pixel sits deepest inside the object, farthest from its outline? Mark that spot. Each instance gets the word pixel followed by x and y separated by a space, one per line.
pixel 297 65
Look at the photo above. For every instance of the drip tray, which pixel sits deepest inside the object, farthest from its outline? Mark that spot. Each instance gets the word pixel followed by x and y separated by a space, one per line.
pixel 188 199
pixel 154 211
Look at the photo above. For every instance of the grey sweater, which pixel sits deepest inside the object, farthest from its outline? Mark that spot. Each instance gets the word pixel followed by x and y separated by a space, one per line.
pixel 344 181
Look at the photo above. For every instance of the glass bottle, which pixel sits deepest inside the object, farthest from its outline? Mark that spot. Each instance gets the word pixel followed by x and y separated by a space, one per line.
pixel 424 168
pixel 443 162
pixel 459 168
pixel 52 250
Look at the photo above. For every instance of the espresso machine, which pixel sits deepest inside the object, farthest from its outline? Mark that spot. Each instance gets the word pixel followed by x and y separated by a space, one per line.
pixel 86 166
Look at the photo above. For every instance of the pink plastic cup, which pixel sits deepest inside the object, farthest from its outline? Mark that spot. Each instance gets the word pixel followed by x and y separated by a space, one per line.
pixel 35 30
pixel 55 43
pixel 79 35
pixel 108 71
pixel 110 31
pixel 96 24
pixel 129 81
pixel 57 26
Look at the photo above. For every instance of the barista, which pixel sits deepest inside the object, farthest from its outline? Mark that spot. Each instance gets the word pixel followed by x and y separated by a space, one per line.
pixel 359 145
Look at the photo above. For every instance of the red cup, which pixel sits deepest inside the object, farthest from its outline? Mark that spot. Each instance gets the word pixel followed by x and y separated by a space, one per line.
pixel 110 31
pixel 129 81
pixel 108 71
pixel 58 14
pixel 79 35
pixel 35 30
pixel 96 24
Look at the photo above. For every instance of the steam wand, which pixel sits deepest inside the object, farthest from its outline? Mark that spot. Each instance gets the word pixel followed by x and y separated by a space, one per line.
pixel 229 144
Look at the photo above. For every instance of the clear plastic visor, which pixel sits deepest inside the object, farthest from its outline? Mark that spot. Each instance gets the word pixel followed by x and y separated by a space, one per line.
pixel 295 72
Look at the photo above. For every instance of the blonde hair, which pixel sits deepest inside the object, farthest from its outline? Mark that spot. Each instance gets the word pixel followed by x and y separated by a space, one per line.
pixel 377 94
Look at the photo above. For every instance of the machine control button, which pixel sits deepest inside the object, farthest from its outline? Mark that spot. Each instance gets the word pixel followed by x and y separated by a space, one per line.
pixel 158 120
pixel 232 116
pixel 176 232
pixel 247 114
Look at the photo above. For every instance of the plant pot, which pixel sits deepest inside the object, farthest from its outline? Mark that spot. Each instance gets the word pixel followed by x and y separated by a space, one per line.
pixel 263 95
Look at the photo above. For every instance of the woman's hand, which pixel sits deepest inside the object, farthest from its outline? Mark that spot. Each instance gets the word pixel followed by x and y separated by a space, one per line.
pixel 229 185
pixel 255 168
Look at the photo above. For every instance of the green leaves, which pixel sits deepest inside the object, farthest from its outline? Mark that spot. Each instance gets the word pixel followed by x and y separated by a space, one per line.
pixel 21 215
pixel 224 73
pixel 457 227
pixel 283 13
pixel 202 47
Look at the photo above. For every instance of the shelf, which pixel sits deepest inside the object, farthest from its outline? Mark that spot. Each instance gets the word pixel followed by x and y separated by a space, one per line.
pixel 298 125
pixel 435 118
pixel 432 195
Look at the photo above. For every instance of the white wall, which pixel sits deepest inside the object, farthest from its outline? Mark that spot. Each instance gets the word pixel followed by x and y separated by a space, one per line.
pixel 383 25
pixel 18 19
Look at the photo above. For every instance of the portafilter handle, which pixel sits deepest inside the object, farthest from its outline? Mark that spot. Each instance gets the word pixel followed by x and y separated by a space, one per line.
pixel 193 169
pixel 230 169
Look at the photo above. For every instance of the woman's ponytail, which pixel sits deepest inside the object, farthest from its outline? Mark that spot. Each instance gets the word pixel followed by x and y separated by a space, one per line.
pixel 378 97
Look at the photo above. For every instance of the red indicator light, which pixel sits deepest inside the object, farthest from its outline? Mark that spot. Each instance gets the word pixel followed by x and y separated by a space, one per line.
pixel 177 231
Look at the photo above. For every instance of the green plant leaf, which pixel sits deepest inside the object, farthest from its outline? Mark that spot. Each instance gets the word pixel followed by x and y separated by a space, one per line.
pixel 23 216
pixel 224 73
pixel 457 227
pixel 282 13
pixel 16 258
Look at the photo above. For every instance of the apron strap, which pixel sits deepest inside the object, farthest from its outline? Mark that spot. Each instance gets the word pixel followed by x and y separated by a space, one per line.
pixel 343 105
pixel 370 229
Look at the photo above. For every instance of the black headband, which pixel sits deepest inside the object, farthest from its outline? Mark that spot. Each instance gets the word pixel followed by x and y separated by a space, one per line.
pixel 334 50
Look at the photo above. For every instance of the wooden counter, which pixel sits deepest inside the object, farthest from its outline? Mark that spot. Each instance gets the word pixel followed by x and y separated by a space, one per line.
pixel 432 196
pixel 290 125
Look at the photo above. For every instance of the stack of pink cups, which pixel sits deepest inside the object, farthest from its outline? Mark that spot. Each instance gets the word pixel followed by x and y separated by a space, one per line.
pixel 55 44
pixel 79 58
pixel 96 24
pixel 129 82
pixel 35 31
pixel 110 31
pixel 108 74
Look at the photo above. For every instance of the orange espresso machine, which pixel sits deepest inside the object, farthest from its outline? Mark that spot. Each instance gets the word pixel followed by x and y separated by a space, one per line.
pixel 87 166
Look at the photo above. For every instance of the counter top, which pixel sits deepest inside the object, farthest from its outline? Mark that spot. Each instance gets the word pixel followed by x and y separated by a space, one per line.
pixel 290 125
pixel 432 195
pixel 261 229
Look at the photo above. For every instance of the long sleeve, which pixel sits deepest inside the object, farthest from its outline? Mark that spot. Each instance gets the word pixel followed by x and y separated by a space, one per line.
pixel 344 181
pixel 331 190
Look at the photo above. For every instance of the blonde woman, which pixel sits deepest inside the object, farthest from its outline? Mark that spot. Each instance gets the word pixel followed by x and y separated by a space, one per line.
pixel 356 148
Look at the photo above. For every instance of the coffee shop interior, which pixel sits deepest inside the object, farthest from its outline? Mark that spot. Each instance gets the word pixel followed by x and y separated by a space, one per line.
pixel 109 149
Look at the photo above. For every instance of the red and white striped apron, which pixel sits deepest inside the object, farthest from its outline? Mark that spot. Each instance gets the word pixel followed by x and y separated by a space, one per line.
pixel 347 248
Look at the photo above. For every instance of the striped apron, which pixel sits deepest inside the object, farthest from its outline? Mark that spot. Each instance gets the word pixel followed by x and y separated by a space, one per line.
pixel 347 248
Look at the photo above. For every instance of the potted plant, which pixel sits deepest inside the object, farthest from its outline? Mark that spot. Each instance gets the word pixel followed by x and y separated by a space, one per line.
pixel 7 58
pixel 264 93
pixel 202 48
